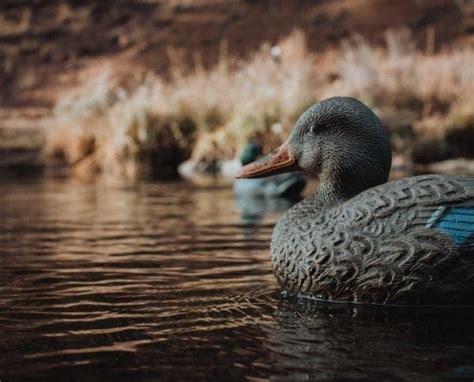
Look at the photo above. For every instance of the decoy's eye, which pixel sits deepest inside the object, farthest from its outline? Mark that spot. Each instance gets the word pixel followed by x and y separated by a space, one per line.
pixel 312 129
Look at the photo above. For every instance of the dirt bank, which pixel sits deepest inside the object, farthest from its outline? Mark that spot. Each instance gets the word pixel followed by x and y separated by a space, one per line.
pixel 44 45
pixel 48 48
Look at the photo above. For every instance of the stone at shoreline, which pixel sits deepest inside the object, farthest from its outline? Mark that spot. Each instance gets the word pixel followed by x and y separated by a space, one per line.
pixel 21 148
pixel 450 166
pixel 191 169
pixel 22 137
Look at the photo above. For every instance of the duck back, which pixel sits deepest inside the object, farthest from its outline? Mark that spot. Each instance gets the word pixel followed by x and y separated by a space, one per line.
pixel 410 241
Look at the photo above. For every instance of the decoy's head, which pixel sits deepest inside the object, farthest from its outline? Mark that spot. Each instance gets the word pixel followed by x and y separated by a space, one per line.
pixel 340 140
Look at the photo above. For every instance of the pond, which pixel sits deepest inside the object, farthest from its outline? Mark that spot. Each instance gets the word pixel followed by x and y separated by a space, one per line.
pixel 169 281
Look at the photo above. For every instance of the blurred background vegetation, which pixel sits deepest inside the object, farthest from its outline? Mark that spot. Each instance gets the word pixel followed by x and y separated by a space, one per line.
pixel 135 87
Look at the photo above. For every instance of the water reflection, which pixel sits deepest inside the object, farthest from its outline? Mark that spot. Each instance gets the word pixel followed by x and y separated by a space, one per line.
pixel 253 208
pixel 167 281
pixel 319 341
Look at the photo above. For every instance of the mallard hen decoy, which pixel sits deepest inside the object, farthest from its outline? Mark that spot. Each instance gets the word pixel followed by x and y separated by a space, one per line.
pixel 360 239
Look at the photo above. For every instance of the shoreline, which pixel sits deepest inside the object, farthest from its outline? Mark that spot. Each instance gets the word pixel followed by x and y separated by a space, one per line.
pixel 22 153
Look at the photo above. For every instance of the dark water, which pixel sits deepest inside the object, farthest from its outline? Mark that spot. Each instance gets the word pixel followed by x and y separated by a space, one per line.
pixel 169 282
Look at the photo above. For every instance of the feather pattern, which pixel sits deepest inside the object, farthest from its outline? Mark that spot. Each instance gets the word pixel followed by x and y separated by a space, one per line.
pixel 407 241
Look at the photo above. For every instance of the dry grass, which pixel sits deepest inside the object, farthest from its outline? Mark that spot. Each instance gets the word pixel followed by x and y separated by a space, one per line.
pixel 109 127
pixel 422 98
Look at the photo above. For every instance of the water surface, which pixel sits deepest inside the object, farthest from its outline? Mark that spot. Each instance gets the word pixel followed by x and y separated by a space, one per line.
pixel 158 281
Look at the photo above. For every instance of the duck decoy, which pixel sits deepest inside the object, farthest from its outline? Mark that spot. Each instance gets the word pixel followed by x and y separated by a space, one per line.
pixel 361 239
pixel 281 185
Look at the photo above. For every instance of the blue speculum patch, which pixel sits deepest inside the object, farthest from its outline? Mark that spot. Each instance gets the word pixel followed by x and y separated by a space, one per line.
pixel 457 222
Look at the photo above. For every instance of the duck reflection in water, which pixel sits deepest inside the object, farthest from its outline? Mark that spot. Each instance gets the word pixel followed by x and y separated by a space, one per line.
pixel 257 197
pixel 316 340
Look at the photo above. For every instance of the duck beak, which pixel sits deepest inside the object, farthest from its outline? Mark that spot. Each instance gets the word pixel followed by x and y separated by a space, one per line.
pixel 278 161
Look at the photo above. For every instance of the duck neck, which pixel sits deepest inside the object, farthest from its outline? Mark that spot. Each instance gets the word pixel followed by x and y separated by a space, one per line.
pixel 348 175
pixel 330 194
pixel 336 187
pixel 318 201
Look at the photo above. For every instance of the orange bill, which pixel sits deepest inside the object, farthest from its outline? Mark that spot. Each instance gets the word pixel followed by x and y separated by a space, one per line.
pixel 278 161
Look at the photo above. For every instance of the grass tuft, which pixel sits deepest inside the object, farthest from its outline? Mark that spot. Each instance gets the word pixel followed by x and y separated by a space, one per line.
pixel 109 127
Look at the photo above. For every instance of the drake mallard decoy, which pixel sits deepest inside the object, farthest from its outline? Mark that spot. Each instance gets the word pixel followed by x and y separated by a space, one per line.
pixel 360 239
pixel 287 185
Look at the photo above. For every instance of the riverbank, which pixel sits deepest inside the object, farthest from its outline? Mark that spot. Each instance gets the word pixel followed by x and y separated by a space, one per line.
pixel 112 124
pixel 112 112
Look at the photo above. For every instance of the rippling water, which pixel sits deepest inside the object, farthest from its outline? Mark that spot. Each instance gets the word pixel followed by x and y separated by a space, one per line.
pixel 173 282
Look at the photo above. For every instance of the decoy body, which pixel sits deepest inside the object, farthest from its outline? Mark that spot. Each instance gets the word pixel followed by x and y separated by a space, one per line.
pixel 359 238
